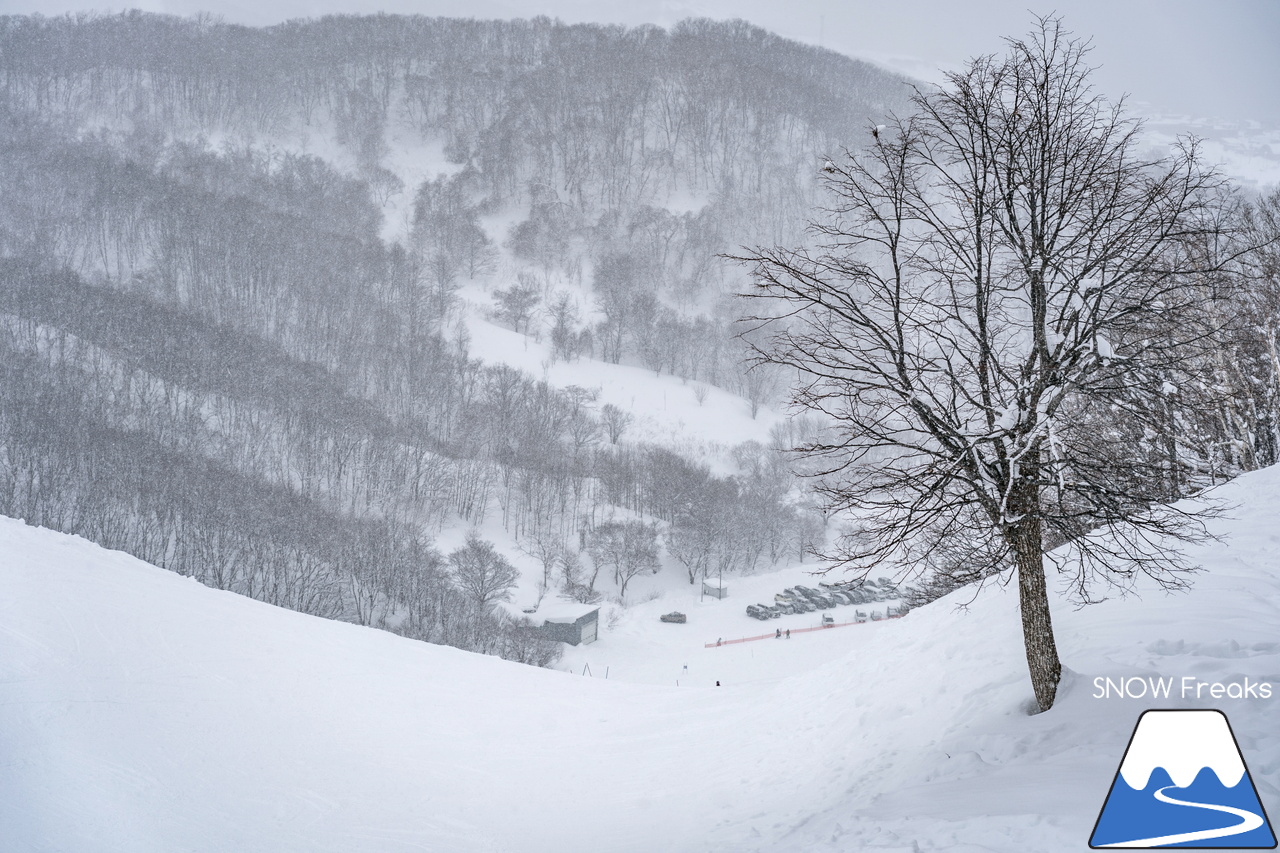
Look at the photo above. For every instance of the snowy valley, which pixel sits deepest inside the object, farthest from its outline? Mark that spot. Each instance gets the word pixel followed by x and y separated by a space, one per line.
pixel 345 362
pixel 142 711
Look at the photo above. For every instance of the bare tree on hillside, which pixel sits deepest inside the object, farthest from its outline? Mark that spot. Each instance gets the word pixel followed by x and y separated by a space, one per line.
pixel 629 548
pixel 1000 294
pixel 515 305
pixel 547 549
pixel 482 574
pixel 615 421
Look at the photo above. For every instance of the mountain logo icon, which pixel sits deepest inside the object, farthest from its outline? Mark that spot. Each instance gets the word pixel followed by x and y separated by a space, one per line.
pixel 1183 783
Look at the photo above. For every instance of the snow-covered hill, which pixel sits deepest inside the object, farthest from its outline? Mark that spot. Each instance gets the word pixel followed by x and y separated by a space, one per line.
pixel 142 712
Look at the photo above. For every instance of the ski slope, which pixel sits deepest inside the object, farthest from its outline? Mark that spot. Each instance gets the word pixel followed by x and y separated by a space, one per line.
pixel 140 712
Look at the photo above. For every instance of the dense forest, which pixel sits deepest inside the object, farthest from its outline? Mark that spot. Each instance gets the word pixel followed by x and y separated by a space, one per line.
pixel 222 355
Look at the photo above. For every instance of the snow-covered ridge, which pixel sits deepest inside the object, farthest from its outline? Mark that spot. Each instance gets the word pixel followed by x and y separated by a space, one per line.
pixel 1183 743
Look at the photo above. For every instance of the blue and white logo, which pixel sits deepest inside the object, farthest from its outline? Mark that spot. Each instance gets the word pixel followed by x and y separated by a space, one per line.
pixel 1183 783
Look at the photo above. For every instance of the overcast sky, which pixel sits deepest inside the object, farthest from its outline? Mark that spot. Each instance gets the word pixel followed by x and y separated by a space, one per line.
pixel 1205 59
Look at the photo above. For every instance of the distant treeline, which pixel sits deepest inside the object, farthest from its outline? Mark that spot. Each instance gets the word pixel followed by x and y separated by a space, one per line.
pixel 620 114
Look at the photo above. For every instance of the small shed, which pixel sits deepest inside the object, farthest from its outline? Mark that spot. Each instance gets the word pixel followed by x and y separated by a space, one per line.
pixel 714 587
pixel 569 622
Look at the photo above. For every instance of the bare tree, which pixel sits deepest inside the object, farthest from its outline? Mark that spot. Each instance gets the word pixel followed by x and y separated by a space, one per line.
pixel 482 574
pixel 572 574
pixel 515 304
pixel 615 421
pixel 630 548
pixel 566 338
pixel 758 385
pixel 517 640
pixel 1000 281
pixel 1244 430
pixel 692 543
pixel 581 429
pixel 547 549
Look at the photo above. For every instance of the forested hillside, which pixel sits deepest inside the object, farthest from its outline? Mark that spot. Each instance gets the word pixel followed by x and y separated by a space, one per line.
pixel 237 268
pixel 251 281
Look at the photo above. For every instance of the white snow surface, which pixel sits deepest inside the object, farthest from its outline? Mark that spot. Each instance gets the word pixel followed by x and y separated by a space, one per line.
pixel 665 407
pixel 1183 743
pixel 563 611
pixel 140 711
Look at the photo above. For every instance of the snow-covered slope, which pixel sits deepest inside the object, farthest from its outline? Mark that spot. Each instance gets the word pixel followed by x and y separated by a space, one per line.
pixel 142 712
pixel 665 408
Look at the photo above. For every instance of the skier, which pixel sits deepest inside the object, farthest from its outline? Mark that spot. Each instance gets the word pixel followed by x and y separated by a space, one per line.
pixel 777 635
pixel 788 633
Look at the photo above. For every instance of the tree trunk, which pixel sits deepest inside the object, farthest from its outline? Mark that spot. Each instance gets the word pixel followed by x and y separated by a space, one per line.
pixel 1037 628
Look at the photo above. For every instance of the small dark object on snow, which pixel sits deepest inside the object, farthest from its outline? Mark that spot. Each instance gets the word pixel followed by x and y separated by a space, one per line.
pixel 674 616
